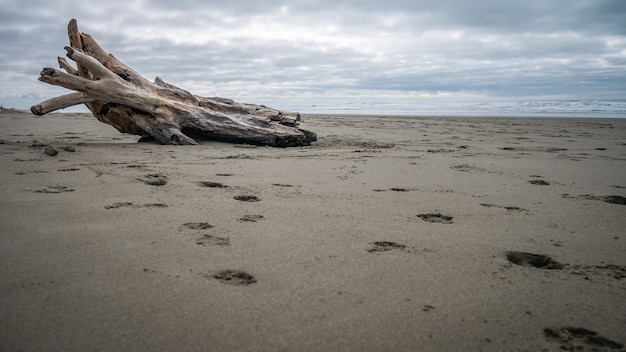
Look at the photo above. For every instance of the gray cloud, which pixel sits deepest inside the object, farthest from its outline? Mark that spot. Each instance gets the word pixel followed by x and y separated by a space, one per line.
pixel 319 49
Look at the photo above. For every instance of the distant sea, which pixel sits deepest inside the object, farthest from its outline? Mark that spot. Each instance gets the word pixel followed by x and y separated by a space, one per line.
pixel 528 108
pixel 522 108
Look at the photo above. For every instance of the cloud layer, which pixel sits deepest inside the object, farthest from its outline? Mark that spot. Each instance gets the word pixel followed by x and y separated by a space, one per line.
pixel 271 51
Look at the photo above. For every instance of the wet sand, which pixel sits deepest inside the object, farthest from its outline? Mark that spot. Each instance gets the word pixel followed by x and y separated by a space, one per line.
pixel 389 234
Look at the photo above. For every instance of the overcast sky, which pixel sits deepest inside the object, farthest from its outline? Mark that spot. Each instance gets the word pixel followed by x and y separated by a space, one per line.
pixel 263 51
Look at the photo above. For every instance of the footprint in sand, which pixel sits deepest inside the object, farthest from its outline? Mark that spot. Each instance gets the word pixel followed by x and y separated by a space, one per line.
pixel 234 277
pixel 384 246
pixel 54 189
pixel 206 239
pixel 247 198
pixel 539 182
pixel 541 261
pixel 581 339
pixel 210 184
pixel 69 169
pixel 533 260
pixel 398 189
pixel 51 151
pixel 251 218
pixel 197 225
pixel 154 179
pixel 210 240
pixel 612 199
pixel 134 206
pixel 436 217
pixel 616 272
pixel 503 207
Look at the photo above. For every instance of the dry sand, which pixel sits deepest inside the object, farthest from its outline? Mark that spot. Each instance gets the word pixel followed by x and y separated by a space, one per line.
pixel 390 234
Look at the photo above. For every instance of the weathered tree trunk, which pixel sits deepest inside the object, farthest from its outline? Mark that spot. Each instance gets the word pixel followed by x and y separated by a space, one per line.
pixel 117 95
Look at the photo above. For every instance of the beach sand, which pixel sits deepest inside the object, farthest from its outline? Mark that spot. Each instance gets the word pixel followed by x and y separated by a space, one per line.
pixel 389 234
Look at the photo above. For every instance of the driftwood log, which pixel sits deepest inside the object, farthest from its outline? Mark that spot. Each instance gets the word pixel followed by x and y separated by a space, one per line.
pixel 117 95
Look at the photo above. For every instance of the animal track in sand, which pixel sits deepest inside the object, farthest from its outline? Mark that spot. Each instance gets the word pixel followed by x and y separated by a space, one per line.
pixel 581 339
pixel 234 277
pixel 154 179
pixel 533 260
pixel 436 218
pixel 384 246
pixel 247 198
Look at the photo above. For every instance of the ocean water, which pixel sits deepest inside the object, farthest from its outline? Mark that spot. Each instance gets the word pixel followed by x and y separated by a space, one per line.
pixel 528 108
pixel 522 108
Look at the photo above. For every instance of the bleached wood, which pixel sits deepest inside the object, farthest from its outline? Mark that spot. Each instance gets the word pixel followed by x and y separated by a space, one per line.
pixel 61 102
pixel 119 96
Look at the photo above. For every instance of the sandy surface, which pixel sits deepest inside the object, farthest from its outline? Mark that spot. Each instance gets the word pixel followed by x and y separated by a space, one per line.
pixel 390 234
